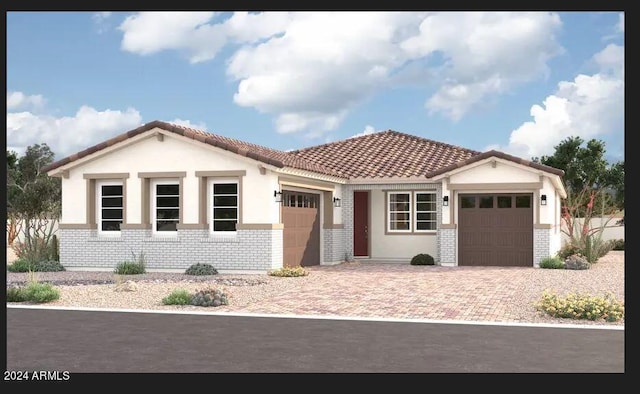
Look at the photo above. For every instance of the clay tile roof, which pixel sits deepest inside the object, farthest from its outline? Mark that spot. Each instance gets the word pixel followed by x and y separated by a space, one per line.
pixel 502 155
pixel 385 154
pixel 260 153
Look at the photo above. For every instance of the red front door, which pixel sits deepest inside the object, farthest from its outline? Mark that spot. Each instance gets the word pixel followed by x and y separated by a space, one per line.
pixel 361 223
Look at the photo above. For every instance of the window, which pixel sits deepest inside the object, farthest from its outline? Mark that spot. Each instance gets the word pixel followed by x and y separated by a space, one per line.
pixel 411 212
pixel 110 207
pixel 426 216
pixel 523 201
pixel 467 201
pixel 400 211
pixel 504 201
pixel 486 201
pixel 224 205
pixel 166 207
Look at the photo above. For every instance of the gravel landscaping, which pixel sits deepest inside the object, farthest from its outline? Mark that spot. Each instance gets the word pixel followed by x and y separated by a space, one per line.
pixel 356 289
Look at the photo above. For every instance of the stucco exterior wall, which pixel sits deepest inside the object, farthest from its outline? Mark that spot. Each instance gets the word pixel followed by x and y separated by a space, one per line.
pixel 173 153
pixel 389 247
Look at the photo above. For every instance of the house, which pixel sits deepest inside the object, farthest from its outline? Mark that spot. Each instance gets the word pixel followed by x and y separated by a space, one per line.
pixel 183 196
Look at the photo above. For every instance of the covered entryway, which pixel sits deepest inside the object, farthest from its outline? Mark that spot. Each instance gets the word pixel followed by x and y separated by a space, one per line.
pixel 301 219
pixel 495 229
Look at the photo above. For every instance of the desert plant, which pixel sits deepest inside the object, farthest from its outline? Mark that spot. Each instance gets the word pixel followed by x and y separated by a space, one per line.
pixel 15 294
pixel 25 265
pixel 552 263
pixel 135 266
pixel 422 259
pixel 581 306
pixel 576 262
pixel 178 297
pixel 209 297
pixel 617 244
pixel 289 272
pixel 201 269
pixel 40 292
pixel 567 250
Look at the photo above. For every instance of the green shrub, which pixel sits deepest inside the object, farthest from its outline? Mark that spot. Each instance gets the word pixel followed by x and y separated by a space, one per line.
pixel 552 263
pixel 567 250
pixel 581 306
pixel 24 265
pixel 617 244
pixel 576 262
pixel 129 268
pixel 15 294
pixel 40 292
pixel 289 272
pixel 178 297
pixel 209 297
pixel 422 259
pixel 201 269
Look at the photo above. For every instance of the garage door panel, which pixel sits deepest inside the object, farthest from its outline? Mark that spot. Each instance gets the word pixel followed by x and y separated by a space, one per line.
pixel 301 233
pixel 495 236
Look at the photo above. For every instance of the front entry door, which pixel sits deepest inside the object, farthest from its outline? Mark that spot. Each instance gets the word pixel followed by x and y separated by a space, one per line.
pixel 361 223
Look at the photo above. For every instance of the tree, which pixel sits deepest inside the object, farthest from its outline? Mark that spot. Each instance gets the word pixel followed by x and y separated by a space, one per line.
pixel 13 225
pixel 34 200
pixel 594 188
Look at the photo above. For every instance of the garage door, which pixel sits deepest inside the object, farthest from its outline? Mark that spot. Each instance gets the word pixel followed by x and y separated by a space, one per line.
pixel 301 219
pixel 495 229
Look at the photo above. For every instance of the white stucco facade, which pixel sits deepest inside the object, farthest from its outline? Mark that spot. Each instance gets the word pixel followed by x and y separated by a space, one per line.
pixel 258 242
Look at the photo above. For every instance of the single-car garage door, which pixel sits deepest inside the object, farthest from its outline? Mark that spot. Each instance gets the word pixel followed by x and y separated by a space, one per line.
pixel 301 219
pixel 495 229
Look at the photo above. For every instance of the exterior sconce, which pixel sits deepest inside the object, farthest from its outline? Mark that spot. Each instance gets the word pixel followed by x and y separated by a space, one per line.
pixel 543 199
pixel 336 202
pixel 445 201
pixel 277 195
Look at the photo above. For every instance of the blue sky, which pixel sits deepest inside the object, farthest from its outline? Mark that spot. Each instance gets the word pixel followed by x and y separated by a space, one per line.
pixel 516 82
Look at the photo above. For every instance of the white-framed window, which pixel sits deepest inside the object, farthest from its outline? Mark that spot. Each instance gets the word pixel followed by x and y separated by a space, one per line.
pixel 165 210
pixel 224 200
pixel 399 212
pixel 110 207
pixel 425 211
pixel 411 212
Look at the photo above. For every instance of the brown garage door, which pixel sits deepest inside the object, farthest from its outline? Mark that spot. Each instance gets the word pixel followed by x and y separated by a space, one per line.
pixel 495 229
pixel 300 216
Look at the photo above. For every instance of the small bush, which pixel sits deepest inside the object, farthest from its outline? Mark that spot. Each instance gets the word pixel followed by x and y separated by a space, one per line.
pixel 40 292
pixel 576 262
pixel 135 266
pixel 201 269
pixel 568 250
pixel 178 297
pixel 617 244
pixel 289 272
pixel 552 263
pixel 24 265
pixel 422 259
pixel 209 297
pixel 15 294
pixel 581 306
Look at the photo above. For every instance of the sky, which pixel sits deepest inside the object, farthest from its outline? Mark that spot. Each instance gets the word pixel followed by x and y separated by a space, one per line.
pixel 518 82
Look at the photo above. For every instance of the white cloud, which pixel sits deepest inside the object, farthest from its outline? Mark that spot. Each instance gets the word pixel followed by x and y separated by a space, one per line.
pixel 188 123
pixel 309 69
pixel 68 134
pixel 100 20
pixel 18 100
pixel 590 106
pixel 484 54
pixel 368 129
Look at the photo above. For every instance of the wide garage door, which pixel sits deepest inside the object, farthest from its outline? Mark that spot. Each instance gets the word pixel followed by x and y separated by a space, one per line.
pixel 301 219
pixel 495 229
